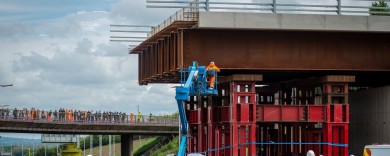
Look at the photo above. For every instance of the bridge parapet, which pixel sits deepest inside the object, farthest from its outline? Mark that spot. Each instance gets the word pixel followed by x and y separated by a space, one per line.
pixel 127 119
pixel 334 7
pixel 183 15
pixel 86 127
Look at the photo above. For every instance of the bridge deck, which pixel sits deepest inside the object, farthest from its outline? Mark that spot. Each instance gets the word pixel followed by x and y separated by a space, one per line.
pixel 278 46
pixel 52 127
pixel 306 22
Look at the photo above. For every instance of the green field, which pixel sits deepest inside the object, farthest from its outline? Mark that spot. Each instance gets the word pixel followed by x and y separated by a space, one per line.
pixel 170 148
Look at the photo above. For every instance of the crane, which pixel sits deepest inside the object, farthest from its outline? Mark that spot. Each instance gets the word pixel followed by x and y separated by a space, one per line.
pixel 195 85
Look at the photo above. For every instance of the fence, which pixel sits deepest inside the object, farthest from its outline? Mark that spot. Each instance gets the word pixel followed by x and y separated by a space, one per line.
pixel 190 9
pixel 185 14
pixel 90 118
pixel 279 6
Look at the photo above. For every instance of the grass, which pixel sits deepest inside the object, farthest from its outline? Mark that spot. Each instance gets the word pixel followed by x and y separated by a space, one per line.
pixel 147 146
pixel 170 148
pixel 137 144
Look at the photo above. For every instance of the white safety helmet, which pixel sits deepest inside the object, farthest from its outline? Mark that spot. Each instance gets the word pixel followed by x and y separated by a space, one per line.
pixel 212 62
pixel 310 153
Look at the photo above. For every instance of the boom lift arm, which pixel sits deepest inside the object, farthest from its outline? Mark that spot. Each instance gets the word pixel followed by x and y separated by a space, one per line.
pixel 195 85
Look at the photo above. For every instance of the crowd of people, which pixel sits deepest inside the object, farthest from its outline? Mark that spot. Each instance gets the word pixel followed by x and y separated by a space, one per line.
pixel 69 115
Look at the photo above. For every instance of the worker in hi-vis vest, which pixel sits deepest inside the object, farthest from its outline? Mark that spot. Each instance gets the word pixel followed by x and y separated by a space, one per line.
pixel 211 72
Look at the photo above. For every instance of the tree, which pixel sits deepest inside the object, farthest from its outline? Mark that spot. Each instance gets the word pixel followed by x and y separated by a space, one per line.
pixel 50 151
pixel 385 11
pixel 105 141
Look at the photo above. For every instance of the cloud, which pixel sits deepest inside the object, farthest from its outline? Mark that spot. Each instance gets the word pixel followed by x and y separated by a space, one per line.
pixel 68 62
pixel 135 12
pixel 38 10
pixel 82 79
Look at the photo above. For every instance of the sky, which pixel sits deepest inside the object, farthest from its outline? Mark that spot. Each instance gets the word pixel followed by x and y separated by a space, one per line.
pixel 57 54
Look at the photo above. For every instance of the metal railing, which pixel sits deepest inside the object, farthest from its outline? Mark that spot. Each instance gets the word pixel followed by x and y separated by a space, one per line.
pixel 63 117
pixel 184 14
pixel 190 9
pixel 276 6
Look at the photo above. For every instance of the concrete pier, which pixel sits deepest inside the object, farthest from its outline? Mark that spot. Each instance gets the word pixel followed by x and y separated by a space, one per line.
pixel 127 145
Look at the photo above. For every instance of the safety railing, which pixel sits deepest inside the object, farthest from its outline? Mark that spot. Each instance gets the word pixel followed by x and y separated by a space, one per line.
pixel 190 9
pixel 279 6
pixel 98 118
pixel 185 14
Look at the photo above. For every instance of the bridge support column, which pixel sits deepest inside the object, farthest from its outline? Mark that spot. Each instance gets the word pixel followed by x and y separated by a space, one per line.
pixel 127 145
pixel 239 113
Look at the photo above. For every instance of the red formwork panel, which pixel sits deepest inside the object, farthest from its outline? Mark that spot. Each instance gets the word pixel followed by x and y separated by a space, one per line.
pixel 200 115
pixel 226 139
pixel 314 136
pixel 346 113
pixel 218 141
pixel 202 137
pixel 225 113
pixel 242 140
pixel 243 112
pixel 270 113
pixel 242 95
pixel 193 117
pixel 193 139
pixel 291 113
pixel 210 114
pixel 337 113
pixel 316 113
pixel 211 142
pixel 336 133
pixel 234 142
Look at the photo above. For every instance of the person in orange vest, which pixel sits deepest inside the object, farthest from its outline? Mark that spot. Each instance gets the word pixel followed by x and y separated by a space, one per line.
pixel 32 114
pixel 71 115
pixel 131 117
pixel 67 115
pixel 211 71
pixel 49 116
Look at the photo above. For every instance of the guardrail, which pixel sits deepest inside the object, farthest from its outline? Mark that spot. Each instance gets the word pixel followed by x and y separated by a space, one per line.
pixel 184 14
pixel 98 119
pixel 275 6
pixel 190 9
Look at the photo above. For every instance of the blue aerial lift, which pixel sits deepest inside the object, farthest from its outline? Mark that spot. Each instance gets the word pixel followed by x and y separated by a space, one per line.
pixel 195 85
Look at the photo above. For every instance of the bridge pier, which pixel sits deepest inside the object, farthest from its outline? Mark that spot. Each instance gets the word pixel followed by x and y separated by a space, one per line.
pixel 126 145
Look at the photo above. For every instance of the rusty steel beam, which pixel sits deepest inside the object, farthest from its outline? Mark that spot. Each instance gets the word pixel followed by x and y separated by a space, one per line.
pixel 288 50
pixel 165 32
pixel 172 52
pixel 160 58
pixel 295 54
pixel 166 55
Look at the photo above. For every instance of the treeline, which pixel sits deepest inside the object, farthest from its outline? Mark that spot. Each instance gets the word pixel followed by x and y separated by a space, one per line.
pixel 52 151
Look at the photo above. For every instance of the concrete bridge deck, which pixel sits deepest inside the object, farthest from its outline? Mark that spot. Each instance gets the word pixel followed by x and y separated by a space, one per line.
pixel 306 22
pixel 36 126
